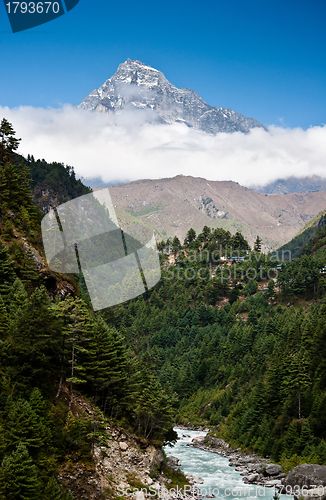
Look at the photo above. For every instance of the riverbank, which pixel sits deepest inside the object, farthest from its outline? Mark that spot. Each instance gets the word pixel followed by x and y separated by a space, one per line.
pixel 254 469
pixel 305 481
pixel 212 473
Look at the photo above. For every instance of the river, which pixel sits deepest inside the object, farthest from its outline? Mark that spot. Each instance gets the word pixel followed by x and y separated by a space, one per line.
pixel 220 479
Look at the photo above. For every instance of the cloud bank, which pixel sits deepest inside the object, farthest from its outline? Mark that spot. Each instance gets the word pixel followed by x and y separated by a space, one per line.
pixel 124 147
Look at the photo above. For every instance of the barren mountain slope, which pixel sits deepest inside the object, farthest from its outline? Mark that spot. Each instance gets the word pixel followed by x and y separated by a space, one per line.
pixel 171 206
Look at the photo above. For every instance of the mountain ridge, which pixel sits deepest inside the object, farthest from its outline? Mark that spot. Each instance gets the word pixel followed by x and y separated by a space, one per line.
pixel 293 185
pixel 170 206
pixel 136 85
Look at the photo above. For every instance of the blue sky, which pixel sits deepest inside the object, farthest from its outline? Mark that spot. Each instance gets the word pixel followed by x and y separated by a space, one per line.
pixel 263 59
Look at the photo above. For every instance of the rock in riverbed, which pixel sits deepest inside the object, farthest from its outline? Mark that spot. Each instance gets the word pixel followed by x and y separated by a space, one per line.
pixel 307 481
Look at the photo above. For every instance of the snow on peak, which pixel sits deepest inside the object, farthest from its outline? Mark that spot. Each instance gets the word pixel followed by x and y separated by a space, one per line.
pixel 138 85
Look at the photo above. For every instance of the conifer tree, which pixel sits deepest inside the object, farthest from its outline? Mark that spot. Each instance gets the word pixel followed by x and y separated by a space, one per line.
pixel 257 245
pixel 270 292
pixel 4 321
pixel 7 270
pixel 298 374
pixel 77 326
pixel 53 491
pixel 36 341
pixel 16 298
pixel 206 232
pixel 19 476
pixel 9 188
pixel 3 444
pixel 8 142
pixel 190 237
pixel 106 362
pixel 176 245
pixel 25 426
pixel 37 403
pixel 28 271
pixel 306 441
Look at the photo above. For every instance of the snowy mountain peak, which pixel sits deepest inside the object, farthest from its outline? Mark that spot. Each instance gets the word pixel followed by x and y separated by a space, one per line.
pixel 136 85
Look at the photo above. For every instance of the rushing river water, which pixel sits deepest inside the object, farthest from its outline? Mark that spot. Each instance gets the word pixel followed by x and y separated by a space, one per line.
pixel 220 479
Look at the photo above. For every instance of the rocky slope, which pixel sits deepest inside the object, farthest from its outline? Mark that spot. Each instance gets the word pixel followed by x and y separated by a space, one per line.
pixel 171 206
pixel 121 462
pixel 136 86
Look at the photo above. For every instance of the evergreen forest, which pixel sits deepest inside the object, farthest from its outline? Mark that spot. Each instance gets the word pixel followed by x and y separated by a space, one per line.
pixel 229 338
pixel 53 347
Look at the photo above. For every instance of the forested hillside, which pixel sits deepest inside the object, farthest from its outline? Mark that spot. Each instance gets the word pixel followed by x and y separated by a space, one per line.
pixel 51 183
pixel 229 338
pixel 242 343
pixel 301 240
pixel 53 347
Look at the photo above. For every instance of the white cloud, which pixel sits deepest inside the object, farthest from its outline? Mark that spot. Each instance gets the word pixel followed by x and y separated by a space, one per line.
pixel 124 147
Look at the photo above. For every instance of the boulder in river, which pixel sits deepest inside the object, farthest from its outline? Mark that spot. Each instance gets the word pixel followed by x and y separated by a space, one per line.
pixel 310 475
pixel 199 440
pixel 252 478
pixel 272 469
pixel 307 481
pixel 217 443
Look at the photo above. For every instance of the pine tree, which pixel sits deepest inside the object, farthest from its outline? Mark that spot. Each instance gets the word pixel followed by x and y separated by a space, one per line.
pixel 28 272
pixel 190 237
pixel 7 270
pixel 16 298
pixel 176 245
pixel 270 292
pixel 9 188
pixel 3 443
pixel 8 142
pixel 25 196
pixel 298 377
pixel 37 403
pixel 257 245
pixel 307 440
pixel 25 426
pixel 4 320
pixel 36 336
pixel 19 476
pixel 77 327
pixel 291 440
pixel 53 491
pixel 106 362
pixel 206 232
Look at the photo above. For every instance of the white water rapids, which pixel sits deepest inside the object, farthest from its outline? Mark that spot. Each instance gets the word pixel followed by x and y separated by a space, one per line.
pixel 220 479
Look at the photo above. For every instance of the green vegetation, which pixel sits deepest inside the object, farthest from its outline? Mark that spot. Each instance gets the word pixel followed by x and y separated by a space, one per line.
pixel 49 350
pixel 223 336
pixel 300 240
pixel 230 338
pixel 51 179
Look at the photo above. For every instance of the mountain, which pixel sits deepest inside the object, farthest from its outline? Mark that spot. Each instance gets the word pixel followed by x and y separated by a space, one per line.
pixel 138 86
pixel 171 206
pixel 293 185
pixel 302 239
